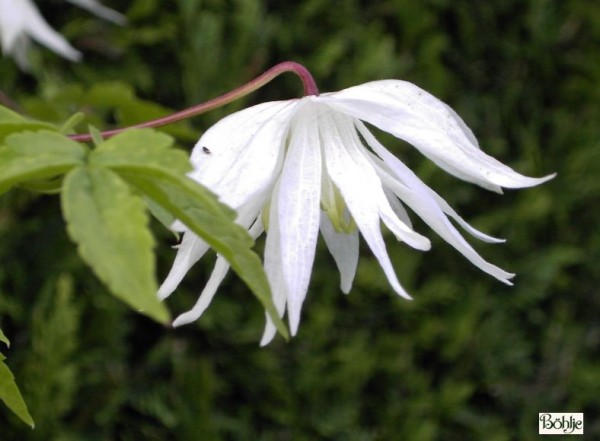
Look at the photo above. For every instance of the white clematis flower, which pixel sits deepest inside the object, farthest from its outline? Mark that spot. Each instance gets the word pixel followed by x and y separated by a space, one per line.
pixel 20 20
pixel 294 168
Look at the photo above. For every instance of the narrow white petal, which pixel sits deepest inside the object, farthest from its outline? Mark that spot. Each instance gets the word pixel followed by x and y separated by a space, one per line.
pixel 412 114
pixel 32 23
pixel 192 248
pixel 207 294
pixel 397 206
pixel 362 179
pixel 219 272
pixel 344 249
pixel 299 198
pixel 239 156
pixel 100 10
pixel 419 198
pixel 13 22
pixel 446 208
pixel 362 192
pixel 273 269
pixel 390 163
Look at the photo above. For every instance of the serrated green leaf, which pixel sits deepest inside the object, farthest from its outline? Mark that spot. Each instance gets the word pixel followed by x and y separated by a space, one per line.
pixel 44 142
pixel 200 210
pixel 3 338
pixel 160 214
pixel 10 394
pixel 11 122
pixel 110 226
pixel 7 115
pixel 147 160
pixel 30 156
pixel 141 147
pixel 8 128
pixel 46 186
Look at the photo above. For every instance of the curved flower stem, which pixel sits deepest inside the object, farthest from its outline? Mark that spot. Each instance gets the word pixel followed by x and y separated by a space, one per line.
pixel 310 88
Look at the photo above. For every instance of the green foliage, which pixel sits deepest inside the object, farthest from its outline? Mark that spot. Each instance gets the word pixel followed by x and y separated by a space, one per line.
pixel 110 225
pixel 52 375
pixel 157 172
pixel 109 222
pixel 9 391
pixel 36 157
pixel 468 359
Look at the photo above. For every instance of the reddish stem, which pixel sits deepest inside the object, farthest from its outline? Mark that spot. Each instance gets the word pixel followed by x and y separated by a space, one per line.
pixel 310 88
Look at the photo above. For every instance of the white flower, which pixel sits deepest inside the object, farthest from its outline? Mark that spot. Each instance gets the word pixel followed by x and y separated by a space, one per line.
pixel 294 168
pixel 20 20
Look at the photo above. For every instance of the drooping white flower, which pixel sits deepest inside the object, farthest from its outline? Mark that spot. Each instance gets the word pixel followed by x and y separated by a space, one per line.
pixel 20 20
pixel 294 168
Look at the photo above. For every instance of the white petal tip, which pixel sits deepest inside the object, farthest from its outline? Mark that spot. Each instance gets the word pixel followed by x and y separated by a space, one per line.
pixel 400 291
pixel 346 288
pixel 185 319
pixel 531 182
pixel 164 292
pixel 546 178
pixel 265 341
pixel 405 296
pixel 268 335
pixel 425 245
pixel 524 181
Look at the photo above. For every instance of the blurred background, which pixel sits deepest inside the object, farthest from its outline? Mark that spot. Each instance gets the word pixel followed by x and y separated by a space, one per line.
pixel 467 359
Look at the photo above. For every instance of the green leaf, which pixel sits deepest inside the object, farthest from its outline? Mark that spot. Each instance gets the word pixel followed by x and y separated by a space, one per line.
pixel 7 115
pixel 11 122
pixel 10 394
pixel 202 213
pixel 9 128
pixel 46 186
pixel 161 215
pixel 141 147
pixel 110 226
pixel 146 159
pixel 4 339
pixel 31 156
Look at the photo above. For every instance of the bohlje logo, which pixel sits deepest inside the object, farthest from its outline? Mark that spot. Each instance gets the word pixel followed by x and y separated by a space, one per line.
pixel 560 423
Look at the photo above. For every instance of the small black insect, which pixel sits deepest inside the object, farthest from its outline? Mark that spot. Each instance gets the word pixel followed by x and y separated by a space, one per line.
pixel 206 150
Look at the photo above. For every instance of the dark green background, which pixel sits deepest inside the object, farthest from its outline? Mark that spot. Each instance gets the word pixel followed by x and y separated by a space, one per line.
pixel 468 359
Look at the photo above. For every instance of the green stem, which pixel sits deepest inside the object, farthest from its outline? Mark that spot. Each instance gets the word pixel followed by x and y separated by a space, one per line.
pixel 310 88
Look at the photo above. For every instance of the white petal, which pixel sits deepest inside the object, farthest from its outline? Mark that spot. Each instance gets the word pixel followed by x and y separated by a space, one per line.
pixel 412 114
pixel 100 10
pixel 299 198
pixel 240 155
pixel 397 206
pixel 360 178
pixel 192 248
pixel 344 249
pixel 446 208
pixel 418 197
pixel 389 162
pixel 361 189
pixel 216 277
pixel 273 269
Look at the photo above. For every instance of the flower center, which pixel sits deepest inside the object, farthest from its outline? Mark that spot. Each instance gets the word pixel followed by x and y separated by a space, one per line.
pixel 332 203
